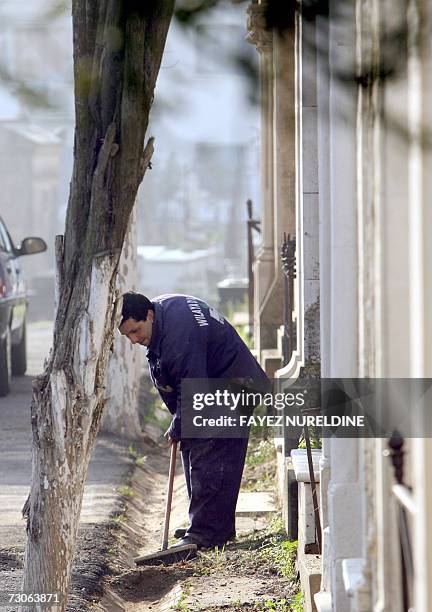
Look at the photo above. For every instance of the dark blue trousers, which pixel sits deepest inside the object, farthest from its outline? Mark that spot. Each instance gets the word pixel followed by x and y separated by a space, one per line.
pixel 213 469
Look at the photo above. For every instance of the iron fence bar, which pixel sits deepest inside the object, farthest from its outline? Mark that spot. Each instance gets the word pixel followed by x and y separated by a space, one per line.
pixel 288 258
pixel 403 497
pixel 314 489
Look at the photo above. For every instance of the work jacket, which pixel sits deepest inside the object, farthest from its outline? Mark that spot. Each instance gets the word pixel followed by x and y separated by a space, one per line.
pixel 190 339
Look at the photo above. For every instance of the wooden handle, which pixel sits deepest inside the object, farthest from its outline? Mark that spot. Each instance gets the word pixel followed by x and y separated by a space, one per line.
pixel 169 494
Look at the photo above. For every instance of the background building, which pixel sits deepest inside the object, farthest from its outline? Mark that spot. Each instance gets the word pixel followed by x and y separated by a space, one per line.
pixel 36 133
pixel 205 164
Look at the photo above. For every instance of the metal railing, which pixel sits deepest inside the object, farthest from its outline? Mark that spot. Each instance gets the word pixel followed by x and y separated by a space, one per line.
pixel 288 257
pixel 406 507
pixel 289 342
pixel 318 533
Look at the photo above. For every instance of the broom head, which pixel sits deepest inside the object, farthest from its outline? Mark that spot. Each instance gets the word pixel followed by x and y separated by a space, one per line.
pixel 169 556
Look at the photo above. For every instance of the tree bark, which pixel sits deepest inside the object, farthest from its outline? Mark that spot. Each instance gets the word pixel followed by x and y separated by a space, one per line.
pixel 118 47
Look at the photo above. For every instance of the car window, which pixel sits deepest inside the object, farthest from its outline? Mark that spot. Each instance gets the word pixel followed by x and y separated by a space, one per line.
pixel 5 243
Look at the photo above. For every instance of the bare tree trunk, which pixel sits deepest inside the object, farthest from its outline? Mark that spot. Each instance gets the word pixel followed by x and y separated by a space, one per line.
pixel 118 46
pixel 125 365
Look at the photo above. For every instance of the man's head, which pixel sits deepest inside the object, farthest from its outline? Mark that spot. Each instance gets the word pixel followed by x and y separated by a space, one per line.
pixel 137 318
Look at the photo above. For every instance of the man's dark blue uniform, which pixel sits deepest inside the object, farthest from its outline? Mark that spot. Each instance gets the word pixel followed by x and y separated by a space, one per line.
pixel 190 339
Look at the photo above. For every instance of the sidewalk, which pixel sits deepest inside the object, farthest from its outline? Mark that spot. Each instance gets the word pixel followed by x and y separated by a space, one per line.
pixel 108 470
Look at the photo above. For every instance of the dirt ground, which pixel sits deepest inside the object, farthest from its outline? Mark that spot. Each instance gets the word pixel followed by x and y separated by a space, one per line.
pixel 243 576
pixel 109 468
pixel 90 565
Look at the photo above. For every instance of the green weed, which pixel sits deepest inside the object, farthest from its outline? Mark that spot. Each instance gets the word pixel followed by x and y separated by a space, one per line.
pixel 211 561
pixel 182 605
pixel 297 602
pixel 276 525
pixel 243 332
pixel 119 519
pixel 132 451
pixel 315 440
pixel 277 605
pixel 156 412
pixel 265 451
pixel 126 491
pixel 282 554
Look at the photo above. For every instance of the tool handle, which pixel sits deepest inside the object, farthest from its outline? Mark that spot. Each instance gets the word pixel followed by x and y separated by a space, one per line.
pixel 169 494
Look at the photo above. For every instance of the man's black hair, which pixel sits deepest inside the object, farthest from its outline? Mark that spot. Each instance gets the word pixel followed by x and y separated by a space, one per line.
pixel 135 306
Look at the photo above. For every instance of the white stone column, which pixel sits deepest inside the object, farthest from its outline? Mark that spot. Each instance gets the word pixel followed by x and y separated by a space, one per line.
pixel 325 260
pixel 420 258
pixel 264 268
pixel 307 311
pixel 344 495
pixel 372 465
pixel 385 298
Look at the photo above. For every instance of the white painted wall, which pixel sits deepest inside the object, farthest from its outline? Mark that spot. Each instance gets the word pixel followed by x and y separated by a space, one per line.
pixel 125 365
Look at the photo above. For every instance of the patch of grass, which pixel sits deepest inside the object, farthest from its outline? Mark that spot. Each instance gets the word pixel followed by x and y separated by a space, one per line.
pixel 118 519
pixel 243 332
pixel 152 410
pixel 315 440
pixel 266 555
pixel 278 605
pixel 126 491
pixel 260 468
pixel 213 561
pixel 133 453
pixel 297 602
pixel 182 605
pixel 276 525
pixel 264 451
pixel 156 412
pixel 282 554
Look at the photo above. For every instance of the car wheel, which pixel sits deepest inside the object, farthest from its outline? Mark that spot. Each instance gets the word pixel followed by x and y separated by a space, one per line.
pixel 19 355
pixel 5 364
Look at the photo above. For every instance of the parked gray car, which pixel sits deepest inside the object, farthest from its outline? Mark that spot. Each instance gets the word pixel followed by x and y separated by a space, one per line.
pixel 13 306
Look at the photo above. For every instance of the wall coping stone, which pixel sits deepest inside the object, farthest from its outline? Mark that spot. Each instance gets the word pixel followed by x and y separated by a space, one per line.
pixel 300 464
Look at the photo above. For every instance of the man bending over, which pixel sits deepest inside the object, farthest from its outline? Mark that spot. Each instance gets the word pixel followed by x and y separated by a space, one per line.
pixel 186 338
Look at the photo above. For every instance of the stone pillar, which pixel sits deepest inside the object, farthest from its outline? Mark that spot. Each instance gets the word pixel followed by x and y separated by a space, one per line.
pixel 325 259
pixel 268 299
pixel 284 173
pixel 344 496
pixel 300 183
pixel 420 257
pixel 307 311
